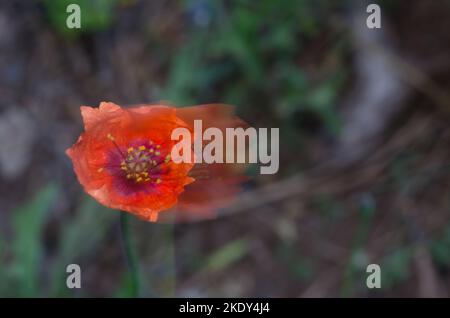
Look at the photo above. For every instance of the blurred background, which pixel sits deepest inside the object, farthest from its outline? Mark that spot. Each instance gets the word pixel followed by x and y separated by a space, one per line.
pixel 364 146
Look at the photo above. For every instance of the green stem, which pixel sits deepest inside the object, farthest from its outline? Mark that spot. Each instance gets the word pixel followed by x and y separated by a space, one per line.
pixel 129 253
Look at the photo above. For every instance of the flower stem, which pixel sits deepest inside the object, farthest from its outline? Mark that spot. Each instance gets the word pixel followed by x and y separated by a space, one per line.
pixel 129 254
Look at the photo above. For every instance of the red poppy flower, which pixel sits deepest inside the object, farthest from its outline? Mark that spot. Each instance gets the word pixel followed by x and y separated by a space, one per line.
pixel 123 161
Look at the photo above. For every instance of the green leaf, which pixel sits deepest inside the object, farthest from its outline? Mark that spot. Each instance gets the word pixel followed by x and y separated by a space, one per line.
pixel 3 274
pixel 441 253
pixel 80 236
pixel 396 267
pixel 28 223
pixel 227 255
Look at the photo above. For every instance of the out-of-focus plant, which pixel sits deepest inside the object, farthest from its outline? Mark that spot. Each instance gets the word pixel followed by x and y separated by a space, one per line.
pixel 247 53
pixel 21 275
pixel 81 235
pixel 301 268
pixel 354 275
pixel 440 249
pixel 226 255
pixel 96 15
pixel 25 272
pixel 396 266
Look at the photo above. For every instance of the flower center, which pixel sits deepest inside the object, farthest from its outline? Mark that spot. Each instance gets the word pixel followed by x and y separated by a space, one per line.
pixel 139 162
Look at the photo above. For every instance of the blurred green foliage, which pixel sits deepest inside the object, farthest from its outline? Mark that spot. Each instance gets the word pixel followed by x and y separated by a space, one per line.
pixel 23 274
pixel 440 249
pixel 26 270
pixel 299 267
pixel 96 15
pixel 79 237
pixel 227 255
pixel 396 266
pixel 247 53
pixel 355 272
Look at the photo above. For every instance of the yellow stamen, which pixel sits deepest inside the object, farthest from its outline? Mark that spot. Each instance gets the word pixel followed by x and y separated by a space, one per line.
pixel 110 137
pixel 141 148
pixel 129 176
pixel 130 149
pixel 139 179
pixel 158 181
pixel 158 146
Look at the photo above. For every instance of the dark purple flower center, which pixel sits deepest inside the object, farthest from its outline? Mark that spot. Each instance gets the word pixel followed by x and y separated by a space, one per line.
pixel 139 161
